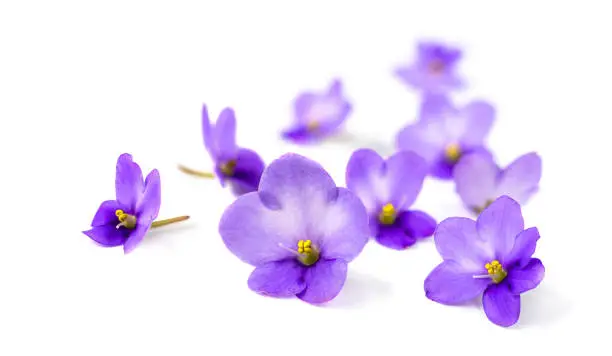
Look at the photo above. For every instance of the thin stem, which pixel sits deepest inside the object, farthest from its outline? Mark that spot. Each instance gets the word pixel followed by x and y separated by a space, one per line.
pixel 165 222
pixel 193 172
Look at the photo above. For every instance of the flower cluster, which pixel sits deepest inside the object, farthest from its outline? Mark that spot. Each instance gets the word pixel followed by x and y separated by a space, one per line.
pixel 299 229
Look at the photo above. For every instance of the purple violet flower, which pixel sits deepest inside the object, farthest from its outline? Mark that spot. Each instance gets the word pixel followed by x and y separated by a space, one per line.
pixel 479 181
pixel 126 220
pixel 434 70
pixel 318 115
pixel 492 256
pixel 445 133
pixel 240 167
pixel 299 231
pixel 388 188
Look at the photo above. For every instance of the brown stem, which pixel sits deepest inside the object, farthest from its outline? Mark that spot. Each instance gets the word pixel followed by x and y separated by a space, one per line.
pixel 193 172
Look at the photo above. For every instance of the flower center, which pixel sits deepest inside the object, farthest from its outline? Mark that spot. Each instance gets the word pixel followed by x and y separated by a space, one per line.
pixel 436 66
pixel 387 214
pixel 496 271
pixel 308 255
pixel 452 153
pixel 228 168
pixel 127 221
pixel 479 209
pixel 312 125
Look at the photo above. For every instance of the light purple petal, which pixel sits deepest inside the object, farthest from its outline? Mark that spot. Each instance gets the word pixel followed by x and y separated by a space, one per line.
pixel 225 135
pixel 278 279
pixel 524 247
pixel 207 132
pixel 106 235
pixel 394 237
pixel 136 236
pixel 501 306
pixel 527 278
pixel 449 283
pixel 324 281
pixel 521 178
pixel 434 106
pixel 106 213
pixel 129 184
pixel 423 138
pixel 457 240
pixel 499 224
pixel 478 117
pixel 301 105
pixel 418 224
pixel 364 177
pixel 475 179
pixel 150 203
pixel 335 88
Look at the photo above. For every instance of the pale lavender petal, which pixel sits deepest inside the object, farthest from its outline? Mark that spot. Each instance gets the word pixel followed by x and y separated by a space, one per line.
pixel 524 247
pixel 479 117
pixel 521 178
pixel 475 179
pixel 324 281
pixel 457 240
pixel 405 173
pixel 278 279
pixel 423 138
pixel 499 224
pixel 225 135
pixel 335 88
pixel 527 278
pixel 107 235
pixel 501 306
pixel 148 207
pixel 434 106
pixel 418 224
pixel 129 184
pixel 449 283
pixel 364 177
pixel 136 236
pixel 301 105
pixel 106 213
pixel 207 132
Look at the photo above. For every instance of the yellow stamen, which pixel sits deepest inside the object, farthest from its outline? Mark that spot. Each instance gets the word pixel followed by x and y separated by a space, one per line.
pixel 125 220
pixel 228 168
pixel 387 215
pixel 312 125
pixel 308 254
pixel 452 152
pixel 496 271
pixel 479 209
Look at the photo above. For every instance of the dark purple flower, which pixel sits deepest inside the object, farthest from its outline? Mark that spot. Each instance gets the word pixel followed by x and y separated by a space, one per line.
pixel 479 181
pixel 318 115
pixel 299 231
pixel 492 256
pixel 445 133
pixel 388 188
pixel 126 220
pixel 434 69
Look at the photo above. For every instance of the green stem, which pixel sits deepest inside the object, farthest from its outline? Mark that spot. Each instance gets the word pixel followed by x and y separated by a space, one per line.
pixel 193 172
pixel 165 222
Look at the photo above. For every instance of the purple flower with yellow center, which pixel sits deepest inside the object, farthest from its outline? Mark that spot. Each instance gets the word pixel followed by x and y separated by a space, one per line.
pixel 318 115
pixel 479 180
pixel 434 70
pixel 388 188
pixel 491 256
pixel 241 168
pixel 299 231
pixel 126 220
pixel 445 133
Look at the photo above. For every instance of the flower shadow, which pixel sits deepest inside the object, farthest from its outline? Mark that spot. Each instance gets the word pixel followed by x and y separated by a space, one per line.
pixel 361 290
pixel 543 306
pixel 354 142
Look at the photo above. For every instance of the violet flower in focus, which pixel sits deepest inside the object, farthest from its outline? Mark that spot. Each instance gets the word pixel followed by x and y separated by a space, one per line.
pixel 388 188
pixel 241 168
pixel 479 181
pixel 126 220
pixel 491 256
pixel 434 70
pixel 299 231
pixel 318 115
pixel 445 133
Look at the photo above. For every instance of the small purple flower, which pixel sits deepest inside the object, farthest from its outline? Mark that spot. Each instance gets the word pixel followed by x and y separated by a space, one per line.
pixel 126 220
pixel 445 133
pixel 299 231
pixel 434 70
pixel 479 181
pixel 492 256
pixel 318 115
pixel 388 188
pixel 240 167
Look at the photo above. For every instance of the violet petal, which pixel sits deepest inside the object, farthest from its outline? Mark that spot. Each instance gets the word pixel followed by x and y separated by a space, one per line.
pixel 524 247
pixel 521 178
pixel 449 283
pixel 107 235
pixel 475 179
pixel 136 236
pixel 106 213
pixel 457 240
pixel 526 278
pixel 129 184
pixel 324 281
pixel 278 278
pixel 501 306
pixel 499 224
pixel 150 203
pixel 247 173
pixel 418 224
pixel 479 117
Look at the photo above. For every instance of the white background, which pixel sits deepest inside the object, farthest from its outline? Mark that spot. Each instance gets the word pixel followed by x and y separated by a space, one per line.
pixel 84 81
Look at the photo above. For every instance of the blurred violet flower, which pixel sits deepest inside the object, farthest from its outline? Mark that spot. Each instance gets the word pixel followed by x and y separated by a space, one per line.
pixel 479 181
pixel 299 231
pixel 240 167
pixel 444 133
pixel 126 220
pixel 492 256
pixel 434 69
pixel 318 115
pixel 388 188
